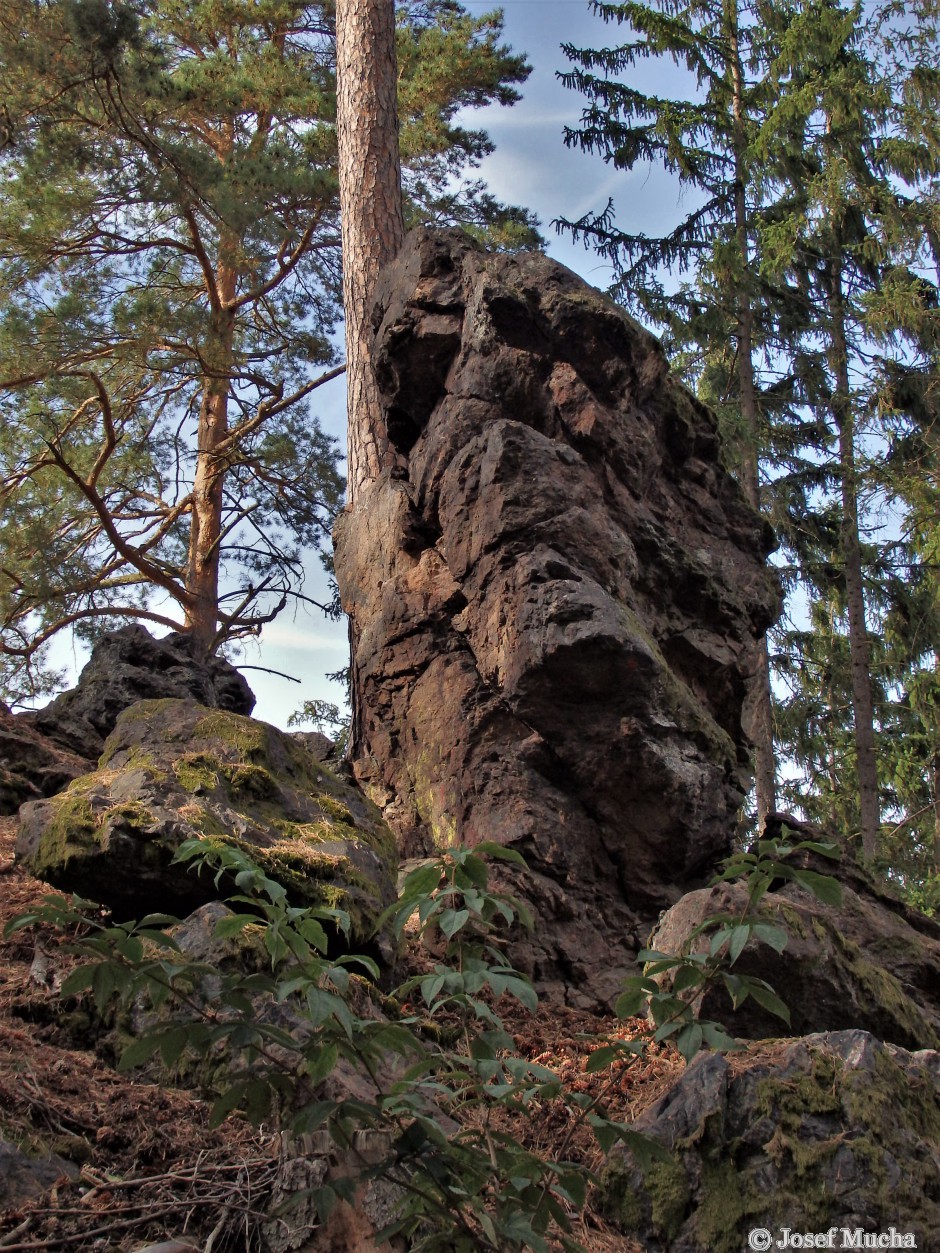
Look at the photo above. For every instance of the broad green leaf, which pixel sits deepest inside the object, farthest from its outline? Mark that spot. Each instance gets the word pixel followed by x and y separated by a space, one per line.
pixel 686 977
pixel 78 980
pixel 523 991
pixel 431 987
pixel 668 1028
pixel 474 870
pixel 689 1040
pixel 421 882
pixel 226 1103
pixel 489 848
pixel 738 941
pixel 321 1063
pixel 645 1149
pixel 775 936
pixel 600 1059
pixel 234 924
pixel 824 887
pixel 159 920
pixel 139 1052
pixel 633 1000
pixel 452 920
pixel 768 998
pixel 832 851
pixel 172 1043
pixel 717 1038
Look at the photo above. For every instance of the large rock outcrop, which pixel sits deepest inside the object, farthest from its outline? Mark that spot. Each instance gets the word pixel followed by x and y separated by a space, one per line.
pixel 834 1130
pixel 173 770
pixel 556 592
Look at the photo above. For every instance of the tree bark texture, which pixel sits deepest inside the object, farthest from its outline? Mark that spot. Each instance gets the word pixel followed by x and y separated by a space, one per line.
pixel 859 645
pixel 370 202
pixel 205 532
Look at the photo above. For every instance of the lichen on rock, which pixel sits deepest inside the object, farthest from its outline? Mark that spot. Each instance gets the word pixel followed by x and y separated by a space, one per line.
pixel 173 770
pixel 836 1129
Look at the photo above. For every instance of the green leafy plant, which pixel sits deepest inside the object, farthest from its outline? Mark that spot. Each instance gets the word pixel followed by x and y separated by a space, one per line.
pixel 277 1033
pixel 267 1033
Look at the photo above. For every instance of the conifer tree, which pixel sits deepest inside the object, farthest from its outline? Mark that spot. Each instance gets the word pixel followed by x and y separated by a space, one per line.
pixel 705 138
pixel 847 234
pixel 170 274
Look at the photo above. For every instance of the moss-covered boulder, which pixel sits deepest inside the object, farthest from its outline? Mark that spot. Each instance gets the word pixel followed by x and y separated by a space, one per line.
pixel 870 962
pixel 172 771
pixel 832 1131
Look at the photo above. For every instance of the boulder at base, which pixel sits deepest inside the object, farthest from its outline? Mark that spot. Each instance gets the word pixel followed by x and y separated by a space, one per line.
pixel 834 1130
pixel 173 770
pixel 556 593
pixel 871 962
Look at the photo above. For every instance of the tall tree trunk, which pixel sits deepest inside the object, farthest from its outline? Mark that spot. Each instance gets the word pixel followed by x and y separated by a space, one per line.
pixel 202 575
pixel 372 232
pixel 371 208
pixel 859 644
pixel 761 720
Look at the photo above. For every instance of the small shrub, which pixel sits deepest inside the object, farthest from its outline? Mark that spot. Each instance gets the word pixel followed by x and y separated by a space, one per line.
pixel 275 1035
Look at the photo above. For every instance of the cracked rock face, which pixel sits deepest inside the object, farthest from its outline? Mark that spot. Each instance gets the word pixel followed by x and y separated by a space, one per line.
pixel 556 593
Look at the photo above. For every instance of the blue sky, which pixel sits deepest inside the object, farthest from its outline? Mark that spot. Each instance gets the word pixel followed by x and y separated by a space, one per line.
pixel 530 166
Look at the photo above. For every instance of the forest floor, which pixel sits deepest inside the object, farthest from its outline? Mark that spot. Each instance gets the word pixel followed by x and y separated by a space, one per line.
pixel 145 1164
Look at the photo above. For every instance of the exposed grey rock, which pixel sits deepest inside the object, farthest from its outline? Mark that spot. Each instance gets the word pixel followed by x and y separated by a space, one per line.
pixel 130 665
pixel 22 1178
pixel 834 1130
pixel 556 593
pixel 316 743
pixel 172 771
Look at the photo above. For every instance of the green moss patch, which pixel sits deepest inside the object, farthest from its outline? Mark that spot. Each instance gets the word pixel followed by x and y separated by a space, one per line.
pixel 197 772
pixel 218 777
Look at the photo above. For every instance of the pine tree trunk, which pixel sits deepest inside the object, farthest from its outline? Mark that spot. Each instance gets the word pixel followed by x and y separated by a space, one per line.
pixel 859 645
pixel 202 575
pixel 761 720
pixel 372 232
pixel 370 202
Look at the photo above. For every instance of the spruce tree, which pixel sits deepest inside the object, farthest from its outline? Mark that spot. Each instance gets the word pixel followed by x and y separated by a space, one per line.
pixel 847 237
pixel 705 138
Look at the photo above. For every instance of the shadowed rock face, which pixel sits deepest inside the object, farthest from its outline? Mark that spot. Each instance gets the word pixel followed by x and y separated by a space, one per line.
pixel 555 594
